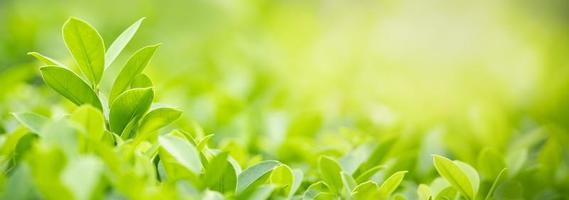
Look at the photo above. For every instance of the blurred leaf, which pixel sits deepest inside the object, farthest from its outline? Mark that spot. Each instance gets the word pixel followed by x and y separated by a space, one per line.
pixel 390 184
pixel 363 177
pixel 348 182
pixel 46 60
pixel 515 161
pixel 253 173
pixel 282 177
pixel 490 163
pixel 120 42
pixel 219 174
pixel 455 176
pixel 70 86
pixel 183 151
pixel 424 192
pixel 133 67
pixel 298 177
pixel 82 175
pixel 330 172
pixel 86 46
pixel 366 191
pixel 129 107
pixel 91 119
pixel 448 193
pixel 156 119
pixel 314 190
pixel 32 121
pixel 261 193
pixel 494 184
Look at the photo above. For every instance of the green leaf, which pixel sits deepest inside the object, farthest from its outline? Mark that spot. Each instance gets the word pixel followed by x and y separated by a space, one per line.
pixel 298 176
pixel 348 182
pixel 219 174
pixel 82 175
pixel 141 81
pixel 366 191
pixel 120 42
pixel 495 184
pixel 253 173
pixel 129 107
pixel 489 163
pixel 91 119
pixel 448 193
pixel 424 192
pixel 313 190
pixel 330 172
pixel 390 184
pixel 133 67
pixel 46 60
pixel 363 177
pixel 472 174
pixel 70 86
pixel 183 151
pixel 32 121
pixel 282 177
pixel 157 119
pixel 454 175
pixel 87 47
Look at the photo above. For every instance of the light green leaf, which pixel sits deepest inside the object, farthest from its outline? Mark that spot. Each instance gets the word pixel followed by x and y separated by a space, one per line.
pixel 129 107
pixel 424 192
pixel 313 190
pixel 489 163
pixel 330 172
pixel 454 175
pixel 298 176
pixel 363 177
pixel 157 119
pixel 87 47
pixel 495 184
pixel 70 86
pixel 32 121
pixel 282 177
pixel 82 175
pixel 472 174
pixel 91 119
pixel 390 184
pixel 348 182
pixel 253 173
pixel 448 193
pixel 262 193
pixel 141 81
pixel 183 151
pixel 133 67
pixel 515 161
pixel 366 191
pixel 120 42
pixel 219 174
pixel 46 60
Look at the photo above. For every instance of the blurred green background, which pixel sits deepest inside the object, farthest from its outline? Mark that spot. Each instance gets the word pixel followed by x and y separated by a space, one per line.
pixel 292 79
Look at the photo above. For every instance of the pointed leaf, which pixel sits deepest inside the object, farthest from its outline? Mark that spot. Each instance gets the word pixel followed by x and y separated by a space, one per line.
pixel 141 81
pixel 183 151
pixel 157 119
pixel 219 174
pixel 366 191
pixel 133 67
pixel 91 119
pixel 330 172
pixel 251 174
pixel 120 42
pixel 283 177
pixel 129 106
pixel 70 86
pixel 313 190
pixel 390 184
pixel 46 60
pixel 86 46
pixel 32 121
pixel 454 175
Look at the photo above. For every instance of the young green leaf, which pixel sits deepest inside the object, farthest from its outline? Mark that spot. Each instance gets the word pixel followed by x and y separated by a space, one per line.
pixel 490 162
pixel 46 60
pixel 348 181
pixel 454 175
pixel 157 119
pixel 32 121
pixel 282 177
pixel 471 173
pixel 390 184
pixel 91 119
pixel 83 185
pixel 133 67
pixel 129 106
pixel 141 81
pixel 365 176
pixel 87 47
pixel 314 190
pixel 253 173
pixel 219 174
pixel 183 151
pixel 70 86
pixel 298 175
pixel 448 193
pixel 366 191
pixel 330 172
pixel 120 42
pixel 495 184
pixel 424 192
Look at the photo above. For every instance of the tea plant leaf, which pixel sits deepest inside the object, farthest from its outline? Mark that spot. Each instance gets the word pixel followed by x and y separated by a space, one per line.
pixel 298 176
pixel 313 190
pixel 454 175
pixel 489 163
pixel 141 81
pixel 87 47
pixel 495 184
pixel 129 107
pixel 46 60
pixel 32 121
pixel 390 184
pixel 366 191
pixel 182 151
pixel 91 119
pixel 83 185
pixel 70 86
pixel 157 119
pixel 448 193
pixel 219 174
pixel 348 182
pixel 424 192
pixel 369 173
pixel 330 172
pixel 253 173
pixel 120 42
pixel 133 67
pixel 471 173
pixel 282 177
pixel 262 193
